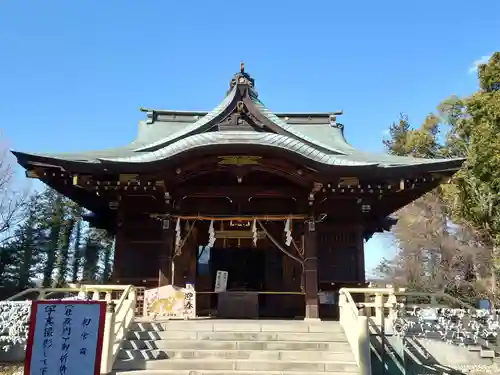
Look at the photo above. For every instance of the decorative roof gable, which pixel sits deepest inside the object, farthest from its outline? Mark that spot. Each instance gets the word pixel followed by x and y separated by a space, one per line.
pixel 240 120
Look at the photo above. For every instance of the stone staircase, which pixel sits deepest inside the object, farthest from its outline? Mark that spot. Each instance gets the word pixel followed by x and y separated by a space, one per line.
pixel 237 347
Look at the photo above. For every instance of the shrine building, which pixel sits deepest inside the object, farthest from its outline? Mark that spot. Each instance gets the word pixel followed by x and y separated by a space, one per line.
pixel 281 201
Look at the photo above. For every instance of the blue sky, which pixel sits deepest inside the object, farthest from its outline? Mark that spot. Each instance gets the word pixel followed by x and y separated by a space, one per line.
pixel 74 73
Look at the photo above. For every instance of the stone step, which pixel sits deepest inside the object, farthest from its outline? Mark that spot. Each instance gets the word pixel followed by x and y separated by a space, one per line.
pixel 339 346
pixel 256 355
pixel 229 365
pixel 237 336
pixel 238 326
pixel 231 372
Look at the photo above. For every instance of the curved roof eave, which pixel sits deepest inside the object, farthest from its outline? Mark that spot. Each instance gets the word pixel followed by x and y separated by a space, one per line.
pixel 282 142
pixel 189 129
pixel 247 138
pixel 341 147
pixel 251 139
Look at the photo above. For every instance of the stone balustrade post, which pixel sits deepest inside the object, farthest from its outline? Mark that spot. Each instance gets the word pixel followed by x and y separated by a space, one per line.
pixel 108 339
pixel 364 359
pixel 379 307
pixel 393 301
pixel 108 296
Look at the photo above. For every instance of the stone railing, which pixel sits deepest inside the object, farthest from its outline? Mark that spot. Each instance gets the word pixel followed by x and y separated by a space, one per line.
pixel 355 326
pixel 399 320
pixel 121 305
pixel 461 327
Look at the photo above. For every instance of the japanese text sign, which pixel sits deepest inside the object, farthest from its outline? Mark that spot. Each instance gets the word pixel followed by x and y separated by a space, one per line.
pixel 65 338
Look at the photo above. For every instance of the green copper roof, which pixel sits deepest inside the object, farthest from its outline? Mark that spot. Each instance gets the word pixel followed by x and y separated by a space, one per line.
pixel 269 140
pixel 240 138
pixel 169 133
pixel 196 126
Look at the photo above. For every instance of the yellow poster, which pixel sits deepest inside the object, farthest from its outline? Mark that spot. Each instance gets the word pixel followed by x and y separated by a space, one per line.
pixel 171 302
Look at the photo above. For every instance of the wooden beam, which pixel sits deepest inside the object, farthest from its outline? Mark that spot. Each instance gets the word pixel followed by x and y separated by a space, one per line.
pixel 239 191
pixel 32 173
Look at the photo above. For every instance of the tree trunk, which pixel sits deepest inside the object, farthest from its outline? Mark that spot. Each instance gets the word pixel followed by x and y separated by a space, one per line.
pixel 77 255
pixel 53 243
pixel 63 256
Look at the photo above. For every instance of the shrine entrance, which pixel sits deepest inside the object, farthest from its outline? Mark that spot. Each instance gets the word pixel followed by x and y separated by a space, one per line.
pixel 245 267
pixel 247 281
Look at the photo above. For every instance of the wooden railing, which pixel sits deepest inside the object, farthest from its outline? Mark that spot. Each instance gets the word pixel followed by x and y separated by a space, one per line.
pixel 121 310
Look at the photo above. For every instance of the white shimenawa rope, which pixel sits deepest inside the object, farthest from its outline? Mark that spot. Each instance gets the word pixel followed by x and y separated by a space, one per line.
pixel 211 234
pixel 288 233
pixel 178 234
pixel 254 232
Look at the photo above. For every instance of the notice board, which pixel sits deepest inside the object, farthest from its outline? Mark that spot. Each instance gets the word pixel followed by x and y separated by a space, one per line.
pixel 65 338
pixel 221 281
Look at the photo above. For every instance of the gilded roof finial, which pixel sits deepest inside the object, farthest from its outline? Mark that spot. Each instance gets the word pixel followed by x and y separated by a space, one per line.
pixel 242 67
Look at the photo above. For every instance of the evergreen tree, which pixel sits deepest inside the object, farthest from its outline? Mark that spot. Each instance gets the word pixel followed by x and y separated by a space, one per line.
pixel 52 219
pixel 398 133
pixel 475 129
pixel 96 243
pixel 77 252
pixel 431 255
pixel 64 250
pixel 107 261
pixel 27 245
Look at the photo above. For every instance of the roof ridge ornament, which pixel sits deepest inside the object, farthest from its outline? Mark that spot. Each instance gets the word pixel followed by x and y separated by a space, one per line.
pixel 242 78
pixel 333 120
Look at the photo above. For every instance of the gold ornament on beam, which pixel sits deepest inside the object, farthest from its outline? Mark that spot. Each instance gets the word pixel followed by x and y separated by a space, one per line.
pixel 240 223
pixel 348 181
pixel 239 160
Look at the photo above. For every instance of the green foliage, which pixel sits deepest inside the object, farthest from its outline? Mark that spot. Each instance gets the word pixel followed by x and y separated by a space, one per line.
pixel 98 244
pixel 398 132
pixel 48 245
pixel 472 200
pixel 475 123
pixel 489 74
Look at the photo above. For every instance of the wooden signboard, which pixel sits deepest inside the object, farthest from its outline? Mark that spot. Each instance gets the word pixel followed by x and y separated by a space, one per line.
pixel 65 338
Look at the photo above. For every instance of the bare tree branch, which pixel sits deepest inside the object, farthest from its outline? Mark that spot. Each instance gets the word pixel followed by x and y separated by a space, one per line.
pixel 12 200
pixel 434 254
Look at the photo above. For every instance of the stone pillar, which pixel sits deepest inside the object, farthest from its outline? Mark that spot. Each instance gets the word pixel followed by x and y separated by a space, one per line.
pixel 311 270
pixel 165 253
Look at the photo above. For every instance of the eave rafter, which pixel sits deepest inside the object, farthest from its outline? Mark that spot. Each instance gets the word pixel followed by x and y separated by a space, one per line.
pixel 241 192
pixel 352 186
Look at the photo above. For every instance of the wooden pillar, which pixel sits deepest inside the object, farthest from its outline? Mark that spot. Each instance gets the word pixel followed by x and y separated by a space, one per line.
pixel 120 248
pixel 360 248
pixel 193 256
pixel 311 270
pixel 165 253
